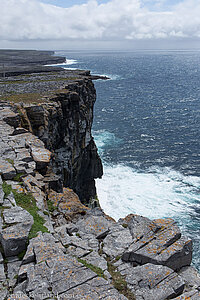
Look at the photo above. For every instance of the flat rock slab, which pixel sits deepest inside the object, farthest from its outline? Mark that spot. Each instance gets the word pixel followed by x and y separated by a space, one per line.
pixel 162 244
pixel 95 225
pixel 153 282
pixel 59 274
pixel 117 241
pixel 17 215
pixel 41 155
pixel 95 289
pixel 7 171
pixel 42 248
pixel 192 295
pixel 191 277
pixel 96 260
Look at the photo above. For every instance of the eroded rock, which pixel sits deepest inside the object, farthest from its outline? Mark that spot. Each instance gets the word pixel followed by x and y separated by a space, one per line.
pixel 161 244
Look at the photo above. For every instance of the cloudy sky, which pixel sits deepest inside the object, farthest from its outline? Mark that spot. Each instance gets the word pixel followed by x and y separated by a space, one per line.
pixel 100 24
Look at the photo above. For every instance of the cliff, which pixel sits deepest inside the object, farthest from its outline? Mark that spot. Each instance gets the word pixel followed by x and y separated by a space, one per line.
pixel 52 245
pixel 64 124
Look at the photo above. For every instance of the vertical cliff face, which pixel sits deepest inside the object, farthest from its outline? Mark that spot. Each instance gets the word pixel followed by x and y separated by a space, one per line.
pixel 64 124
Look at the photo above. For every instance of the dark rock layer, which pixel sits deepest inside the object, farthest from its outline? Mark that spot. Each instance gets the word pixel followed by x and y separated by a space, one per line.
pixel 64 125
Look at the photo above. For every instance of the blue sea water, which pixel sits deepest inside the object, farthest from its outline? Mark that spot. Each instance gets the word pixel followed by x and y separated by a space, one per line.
pixel 147 129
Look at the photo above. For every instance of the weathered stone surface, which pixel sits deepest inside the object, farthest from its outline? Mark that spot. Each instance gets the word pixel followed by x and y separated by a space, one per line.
pixel 139 226
pixel 191 277
pixel 9 201
pixel 13 269
pixel 95 289
pixel 153 282
pixel 24 270
pixel 41 156
pixel 17 215
pixel 1 258
pixel 24 156
pixel 161 245
pixel 192 295
pixel 29 256
pixel 2 273
pixel 14 238
pixel 3 292
pixel 1 195
pixel 50 268
pixel 7 171
pixel 67 203
pixel 95 259
pixel 12 119
pixel 117 241
pixel 95 225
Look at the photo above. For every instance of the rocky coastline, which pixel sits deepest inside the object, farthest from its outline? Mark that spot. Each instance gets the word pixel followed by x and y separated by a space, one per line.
pixel 55 241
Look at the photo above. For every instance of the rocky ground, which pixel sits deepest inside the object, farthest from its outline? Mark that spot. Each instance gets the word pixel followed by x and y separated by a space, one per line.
pixel 53 246
pixel 17 62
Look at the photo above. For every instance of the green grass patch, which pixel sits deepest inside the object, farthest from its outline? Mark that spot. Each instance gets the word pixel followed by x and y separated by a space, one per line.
pixel 14 82
pixel 11 161
pixel 95 269
pixel 119 281
pixel 26 98
pixel 21 254
pixel 46 213
pixel 7 189
pixel 27 201
pixel 18 177
pixel 50 205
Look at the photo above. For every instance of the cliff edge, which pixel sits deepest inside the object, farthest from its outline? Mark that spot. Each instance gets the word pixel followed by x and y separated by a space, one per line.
pixel 54 246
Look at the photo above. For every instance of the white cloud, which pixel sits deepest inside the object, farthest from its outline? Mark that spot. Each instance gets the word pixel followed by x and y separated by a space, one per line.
pixel 115 20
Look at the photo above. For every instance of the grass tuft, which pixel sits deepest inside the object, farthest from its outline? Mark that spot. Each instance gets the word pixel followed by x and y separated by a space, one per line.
pixel 95 269
pixel 27 202
pixel 7 189
pixel 18 177
pixel 119 281
pixel 11 161
pixel 50 205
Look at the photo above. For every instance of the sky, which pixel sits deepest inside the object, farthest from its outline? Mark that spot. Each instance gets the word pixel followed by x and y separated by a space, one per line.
pixel 100 24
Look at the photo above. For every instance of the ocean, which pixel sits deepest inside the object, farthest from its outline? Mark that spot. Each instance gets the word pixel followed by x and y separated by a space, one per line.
pixel 147 129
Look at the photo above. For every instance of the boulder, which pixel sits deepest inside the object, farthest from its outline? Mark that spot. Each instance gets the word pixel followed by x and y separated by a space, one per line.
pixel 14 238
pixel 95 225
pixel 161 244
pixel 117 241
pixel 41 156
pixel 153 282
pixel 7 171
